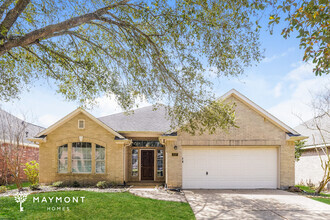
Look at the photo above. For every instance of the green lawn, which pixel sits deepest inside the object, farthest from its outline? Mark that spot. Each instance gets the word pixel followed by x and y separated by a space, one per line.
pixel 309 190
pixel 95 206
pixel 13 186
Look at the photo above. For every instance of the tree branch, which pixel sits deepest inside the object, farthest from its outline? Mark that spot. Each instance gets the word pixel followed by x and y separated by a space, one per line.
pixel 35 36
pixel 4 6
pixel 12 16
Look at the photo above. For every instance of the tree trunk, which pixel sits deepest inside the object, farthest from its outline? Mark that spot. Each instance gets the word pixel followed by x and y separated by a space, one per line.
pixel 323 183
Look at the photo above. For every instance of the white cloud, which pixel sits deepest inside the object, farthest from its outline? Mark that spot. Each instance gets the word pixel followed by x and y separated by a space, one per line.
pixel 278 90
pixel 108 105
pixel 47 120
pixel 301 72
pixel 277 56
pixel 301 85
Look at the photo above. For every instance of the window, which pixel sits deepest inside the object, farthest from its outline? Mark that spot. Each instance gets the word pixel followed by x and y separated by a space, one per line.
pixel 81 157
pixel 63 159
pixel 160 165
pixel 81 124
pixel 99 159
pixel 146 144
pixel 135 162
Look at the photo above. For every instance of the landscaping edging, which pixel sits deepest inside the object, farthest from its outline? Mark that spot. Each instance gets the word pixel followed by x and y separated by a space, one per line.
pixel 44 189
pixel 153 193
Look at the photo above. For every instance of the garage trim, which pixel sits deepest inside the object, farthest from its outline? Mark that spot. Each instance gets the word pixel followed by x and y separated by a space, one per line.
pixel 278 149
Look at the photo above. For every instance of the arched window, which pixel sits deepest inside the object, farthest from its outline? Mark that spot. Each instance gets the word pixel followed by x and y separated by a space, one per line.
pixel 81 157
pixel 99 159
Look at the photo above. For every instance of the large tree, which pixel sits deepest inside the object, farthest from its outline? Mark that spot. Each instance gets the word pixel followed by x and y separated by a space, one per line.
pixel 158 50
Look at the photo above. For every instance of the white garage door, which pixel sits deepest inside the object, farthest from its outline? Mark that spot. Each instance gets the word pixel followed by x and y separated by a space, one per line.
pixel 229 168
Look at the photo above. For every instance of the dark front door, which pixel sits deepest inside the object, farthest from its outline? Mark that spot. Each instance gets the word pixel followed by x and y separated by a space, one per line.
pixel 147 165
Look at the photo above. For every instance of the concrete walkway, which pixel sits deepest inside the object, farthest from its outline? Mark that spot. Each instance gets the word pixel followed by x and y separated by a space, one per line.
pixel 254 204
pixel 159 194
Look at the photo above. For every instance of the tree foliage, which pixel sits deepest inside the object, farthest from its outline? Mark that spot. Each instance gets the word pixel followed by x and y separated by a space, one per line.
pixel 157 50
pixel 311 20
pixel 32 172
pixel 299 145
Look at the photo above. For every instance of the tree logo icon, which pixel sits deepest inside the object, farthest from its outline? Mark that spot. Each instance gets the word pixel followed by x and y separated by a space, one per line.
pixel 20 198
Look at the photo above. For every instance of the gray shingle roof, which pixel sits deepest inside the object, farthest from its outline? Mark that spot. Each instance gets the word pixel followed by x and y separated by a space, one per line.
pixel 142 119
pixel 10 125
pixel 310 130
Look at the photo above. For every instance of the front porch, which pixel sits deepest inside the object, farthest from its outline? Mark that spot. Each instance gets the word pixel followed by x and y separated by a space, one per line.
pixel 144 163
pixel 146 184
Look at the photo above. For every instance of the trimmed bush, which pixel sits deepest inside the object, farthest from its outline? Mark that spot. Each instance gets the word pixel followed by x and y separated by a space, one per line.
pixel 102 185
pixel 58 184
pixel 3 189
pixel 114 184
pixel 75 184
pixel 35 187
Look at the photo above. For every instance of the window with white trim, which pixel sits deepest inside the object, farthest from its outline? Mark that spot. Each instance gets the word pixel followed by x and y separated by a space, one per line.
pixel 135 162
pixel 99 159
pixel 63 159
pixel 81 157
pixel 81 124
pixel 160 163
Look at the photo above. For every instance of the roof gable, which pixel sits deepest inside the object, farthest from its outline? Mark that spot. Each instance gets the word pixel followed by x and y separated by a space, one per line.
pixel 73 114
pixel 259 110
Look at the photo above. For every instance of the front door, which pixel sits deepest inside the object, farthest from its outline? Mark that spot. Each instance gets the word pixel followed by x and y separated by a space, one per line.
pixel 147 165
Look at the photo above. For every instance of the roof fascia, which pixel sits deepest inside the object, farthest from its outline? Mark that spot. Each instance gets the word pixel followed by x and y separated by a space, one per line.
pixel 259 110
pixel 71 115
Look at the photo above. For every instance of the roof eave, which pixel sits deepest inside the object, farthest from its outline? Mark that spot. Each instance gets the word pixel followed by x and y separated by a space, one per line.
pixel 71 115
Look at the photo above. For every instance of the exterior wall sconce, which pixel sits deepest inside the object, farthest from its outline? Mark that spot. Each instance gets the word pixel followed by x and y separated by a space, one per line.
pixel 175 147
pixel 81 138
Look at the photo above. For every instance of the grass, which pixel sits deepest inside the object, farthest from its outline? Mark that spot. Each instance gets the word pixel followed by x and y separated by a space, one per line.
pixel 13 186
pixel 317 198
pixel 95 206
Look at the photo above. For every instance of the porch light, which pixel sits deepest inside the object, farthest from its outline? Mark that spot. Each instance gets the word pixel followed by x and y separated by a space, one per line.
pixel 81 138
pixel 175 147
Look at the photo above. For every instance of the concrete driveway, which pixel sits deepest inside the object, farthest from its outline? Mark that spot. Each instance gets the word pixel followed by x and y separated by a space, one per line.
pixel 254 204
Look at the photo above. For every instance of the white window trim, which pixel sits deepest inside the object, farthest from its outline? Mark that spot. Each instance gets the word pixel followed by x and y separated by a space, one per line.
pixel 58 159
pixel 82 159
pixel 79 123
pixel 105 155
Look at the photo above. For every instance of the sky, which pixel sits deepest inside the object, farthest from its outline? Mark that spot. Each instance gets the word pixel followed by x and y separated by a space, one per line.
pixel 281 84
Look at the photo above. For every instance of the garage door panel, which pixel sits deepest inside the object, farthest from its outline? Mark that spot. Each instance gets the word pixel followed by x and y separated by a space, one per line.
pixel 242 168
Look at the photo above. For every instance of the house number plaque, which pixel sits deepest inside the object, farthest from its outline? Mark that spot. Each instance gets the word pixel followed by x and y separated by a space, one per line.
pixel 175 154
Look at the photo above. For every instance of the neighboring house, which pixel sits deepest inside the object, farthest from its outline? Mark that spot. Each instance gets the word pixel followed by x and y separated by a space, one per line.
pixel 15 132
pixel 141 148
pixel 308 168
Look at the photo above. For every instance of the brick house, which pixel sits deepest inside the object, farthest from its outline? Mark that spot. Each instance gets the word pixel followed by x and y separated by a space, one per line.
pixel 14 134
pixel 141 148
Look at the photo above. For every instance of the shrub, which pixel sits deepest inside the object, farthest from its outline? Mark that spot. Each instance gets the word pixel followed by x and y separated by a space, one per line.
pixel 3 189
pixel 114 184
pixel 75 184
pixel 102 185
pixel 32 172
pixel 58 184
pixel 34 187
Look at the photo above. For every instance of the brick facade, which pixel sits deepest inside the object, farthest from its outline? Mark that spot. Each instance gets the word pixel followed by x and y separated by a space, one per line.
pixel 28 154
pixel 254 130
pixel 93 133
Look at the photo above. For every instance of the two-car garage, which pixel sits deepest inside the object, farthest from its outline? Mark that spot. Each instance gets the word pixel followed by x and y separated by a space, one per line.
pixel 232 167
